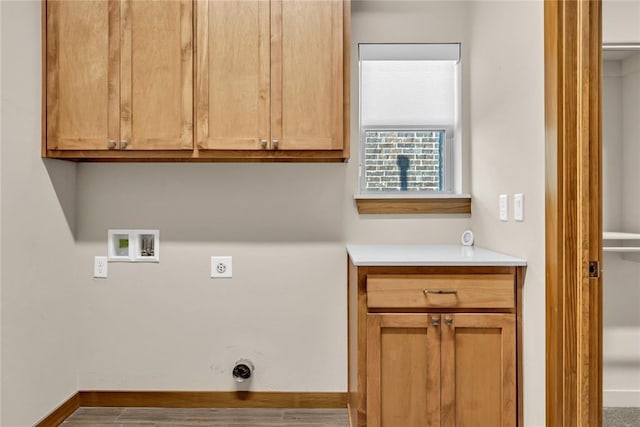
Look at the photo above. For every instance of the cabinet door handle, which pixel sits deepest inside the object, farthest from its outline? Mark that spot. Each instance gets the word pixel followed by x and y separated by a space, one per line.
pixel 448 321
pixel 111 144
pixel 440 291
pixel 274 144
pixel 123 144
pixel 435 320
pixel 263 143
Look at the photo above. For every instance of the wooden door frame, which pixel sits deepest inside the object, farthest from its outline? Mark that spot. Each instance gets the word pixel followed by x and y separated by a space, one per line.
pixel 573 218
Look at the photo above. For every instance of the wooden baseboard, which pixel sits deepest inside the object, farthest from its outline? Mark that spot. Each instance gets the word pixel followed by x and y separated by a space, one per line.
pixel 212 399
pixel 192 399
pixel 349 413
pixel 61 413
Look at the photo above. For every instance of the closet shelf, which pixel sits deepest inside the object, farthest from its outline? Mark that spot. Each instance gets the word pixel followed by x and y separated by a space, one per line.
pixel 619 235
pixel 621 249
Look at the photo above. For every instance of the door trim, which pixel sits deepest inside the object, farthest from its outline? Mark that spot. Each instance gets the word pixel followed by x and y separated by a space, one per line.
pixel 573 43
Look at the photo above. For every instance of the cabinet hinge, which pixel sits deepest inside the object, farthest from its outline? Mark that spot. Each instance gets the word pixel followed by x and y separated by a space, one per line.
pixel 594 269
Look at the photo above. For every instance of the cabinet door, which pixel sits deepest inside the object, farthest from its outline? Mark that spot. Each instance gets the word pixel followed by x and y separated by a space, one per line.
pixel 156 75
pixel 403 370
pixel 307 74
pixel 82 99
pixel 232 74
pixel 478 370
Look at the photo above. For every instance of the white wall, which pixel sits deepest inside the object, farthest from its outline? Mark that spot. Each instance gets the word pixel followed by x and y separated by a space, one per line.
pixel 38 298
pixel 621 338
pixel 167 325
pixel 621 133
pixel 630 141
pixel 621 277
pixel 507 157
pixel 617 272
pixel 620 21
pixel 612 145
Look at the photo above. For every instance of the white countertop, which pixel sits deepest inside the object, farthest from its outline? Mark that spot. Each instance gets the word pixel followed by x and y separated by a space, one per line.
pixel 429 255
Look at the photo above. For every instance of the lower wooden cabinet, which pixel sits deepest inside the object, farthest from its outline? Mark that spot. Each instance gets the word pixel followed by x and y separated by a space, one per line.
pixel 478 366
pixel 453 362
pixel 441 370
pixel 403 370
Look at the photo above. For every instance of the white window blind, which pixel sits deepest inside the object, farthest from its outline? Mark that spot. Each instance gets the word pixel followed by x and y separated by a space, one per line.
pixel 409 84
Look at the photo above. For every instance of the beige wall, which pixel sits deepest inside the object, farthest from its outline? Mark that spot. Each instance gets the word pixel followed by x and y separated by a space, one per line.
pixel 507 157
pixel 38 251
pixel 167 325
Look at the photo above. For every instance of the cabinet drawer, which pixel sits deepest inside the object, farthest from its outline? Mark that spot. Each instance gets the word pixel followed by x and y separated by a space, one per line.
pixel 444 291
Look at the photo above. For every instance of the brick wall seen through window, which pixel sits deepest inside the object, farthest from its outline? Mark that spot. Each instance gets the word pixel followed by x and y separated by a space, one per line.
pixel 403 160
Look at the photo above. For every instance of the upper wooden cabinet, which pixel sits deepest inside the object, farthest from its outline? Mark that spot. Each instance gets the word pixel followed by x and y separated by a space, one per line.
pixel 232 74
pixel 119 75
pixel 269 82
pixel 82 74
pixel 156 69
pixel 270 75
pixel 306 74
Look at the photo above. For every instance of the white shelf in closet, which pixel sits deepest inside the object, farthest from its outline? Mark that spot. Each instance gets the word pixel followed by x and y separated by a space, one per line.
pixel 619 235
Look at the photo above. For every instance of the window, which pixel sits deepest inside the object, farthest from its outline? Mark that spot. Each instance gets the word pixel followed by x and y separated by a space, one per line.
pixel 410 118
pixel 403 160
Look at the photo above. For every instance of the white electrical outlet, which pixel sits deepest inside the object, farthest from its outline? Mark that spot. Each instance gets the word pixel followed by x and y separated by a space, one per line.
pixel 504 207
pixel 100 267
pixel 518 207
pixel 221 267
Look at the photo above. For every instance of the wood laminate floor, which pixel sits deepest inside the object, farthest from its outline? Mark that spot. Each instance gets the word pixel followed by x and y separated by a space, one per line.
pixel 175 417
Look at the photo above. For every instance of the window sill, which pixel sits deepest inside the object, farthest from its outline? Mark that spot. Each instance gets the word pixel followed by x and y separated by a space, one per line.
pixel 413 204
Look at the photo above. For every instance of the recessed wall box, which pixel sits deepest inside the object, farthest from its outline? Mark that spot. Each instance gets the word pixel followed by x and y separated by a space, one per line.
pixel 134 245
pixel 119 245
pixel 147 246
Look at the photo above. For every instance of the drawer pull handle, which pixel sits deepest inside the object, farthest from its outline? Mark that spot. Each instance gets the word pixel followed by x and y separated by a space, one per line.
pixel 435 320
pixel 448 321
pixel 440 291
